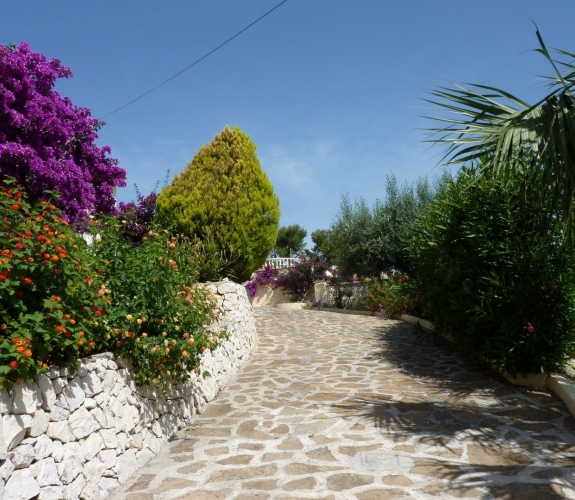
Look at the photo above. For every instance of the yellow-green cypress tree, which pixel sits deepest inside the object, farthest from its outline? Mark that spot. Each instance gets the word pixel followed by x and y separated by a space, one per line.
pixel 224 195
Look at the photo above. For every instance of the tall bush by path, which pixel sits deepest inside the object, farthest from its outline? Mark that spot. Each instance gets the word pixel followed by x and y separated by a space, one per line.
pixel 496 277
pixel 47 143
pixel 224 195
pixel 368 241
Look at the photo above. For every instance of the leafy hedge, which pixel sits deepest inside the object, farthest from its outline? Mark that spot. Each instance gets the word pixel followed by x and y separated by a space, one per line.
pixel 496 278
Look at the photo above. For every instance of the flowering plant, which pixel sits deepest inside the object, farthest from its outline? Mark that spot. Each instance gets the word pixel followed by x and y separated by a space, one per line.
pixel 47 143
pixel 265 276
pixel 298 279
pixel 51 305
pixel 159 313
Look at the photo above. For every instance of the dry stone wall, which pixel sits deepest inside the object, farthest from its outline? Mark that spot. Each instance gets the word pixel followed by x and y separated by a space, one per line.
pixel 69 436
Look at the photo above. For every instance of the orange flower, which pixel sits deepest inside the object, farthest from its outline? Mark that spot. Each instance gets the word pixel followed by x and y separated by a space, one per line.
pixel 21 348
pixel 28 354
pixel 59 329
pixel 54 258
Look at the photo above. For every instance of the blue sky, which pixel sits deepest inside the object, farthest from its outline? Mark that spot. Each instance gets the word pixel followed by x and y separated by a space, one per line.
pixel 329 90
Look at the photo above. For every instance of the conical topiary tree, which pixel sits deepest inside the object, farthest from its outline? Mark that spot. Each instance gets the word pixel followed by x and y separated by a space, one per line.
pixel 225 196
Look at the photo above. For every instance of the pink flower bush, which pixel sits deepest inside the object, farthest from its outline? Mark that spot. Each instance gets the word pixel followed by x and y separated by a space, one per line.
pixel 47 143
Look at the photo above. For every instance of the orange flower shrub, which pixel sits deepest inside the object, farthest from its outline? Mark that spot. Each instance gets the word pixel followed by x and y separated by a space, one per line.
pixel 50 309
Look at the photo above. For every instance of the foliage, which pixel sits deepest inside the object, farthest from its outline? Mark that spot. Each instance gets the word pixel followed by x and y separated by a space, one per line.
pixel 225 196
pixel 495 277
pixel 290 241
pixel 158 313
pixel 323 247
pixel 52 305
pixel 484 122
pixel 140 216
pixel 395 295
pixel 265 276
pixel 298 279
pixel 368 241
pixel 47 143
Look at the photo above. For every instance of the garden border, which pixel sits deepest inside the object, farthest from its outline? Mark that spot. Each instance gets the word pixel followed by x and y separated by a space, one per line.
pixel 82 434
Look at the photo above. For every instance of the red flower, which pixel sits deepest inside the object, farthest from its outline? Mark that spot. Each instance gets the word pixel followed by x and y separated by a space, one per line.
pixel 28 281
pixel 14 365
pixel 28 234
pixel 15 206
pixel 98 313
pixel 41 238
pixel 3 277
pixel 59 329
pixel 19 246
pixel 55 271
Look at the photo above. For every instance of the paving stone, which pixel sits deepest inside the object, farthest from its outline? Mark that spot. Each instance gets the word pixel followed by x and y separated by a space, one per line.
pixel 347 481
pixel 219 450
pixel 174 483
pixel 305 483
pixel 262 484
pixel 207 494
pixel 527 491
pixel 243 473
pixel 381 494
pixel 236 460
pixel 321 454
pixel 397 480
pixel 299 468
pixel 272 457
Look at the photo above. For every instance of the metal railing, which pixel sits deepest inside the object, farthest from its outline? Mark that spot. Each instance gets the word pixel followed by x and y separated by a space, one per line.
pixel 282 262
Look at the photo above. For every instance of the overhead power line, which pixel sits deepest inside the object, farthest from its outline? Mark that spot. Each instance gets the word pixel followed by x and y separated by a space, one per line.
pixel 195 62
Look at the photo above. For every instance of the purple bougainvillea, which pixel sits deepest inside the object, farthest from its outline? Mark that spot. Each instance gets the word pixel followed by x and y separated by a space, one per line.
pixel 265 276
pixel 46 142
pixel 139 216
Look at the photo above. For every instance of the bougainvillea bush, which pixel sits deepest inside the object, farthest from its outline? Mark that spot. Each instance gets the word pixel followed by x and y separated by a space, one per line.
pixel 159 314
pixel 47 143
pixel 298 279
pixel 265 276
pixel 53 303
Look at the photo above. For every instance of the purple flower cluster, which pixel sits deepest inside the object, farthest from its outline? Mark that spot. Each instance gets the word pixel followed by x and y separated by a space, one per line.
pixel 139 216
pixel 47 143
pixel 264 276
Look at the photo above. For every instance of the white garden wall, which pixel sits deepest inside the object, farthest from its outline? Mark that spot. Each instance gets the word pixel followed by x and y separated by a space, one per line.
pixel 65 436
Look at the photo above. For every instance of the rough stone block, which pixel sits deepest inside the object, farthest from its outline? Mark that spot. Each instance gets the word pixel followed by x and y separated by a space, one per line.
pixel 21 486
pixel 26 397
pixel 15 427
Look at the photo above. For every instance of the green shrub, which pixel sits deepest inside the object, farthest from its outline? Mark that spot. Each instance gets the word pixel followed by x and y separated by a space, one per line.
pixel 51 308
pixel 496 278
pixel 158 312
pixel 368 241
pixel 395 295
pixel 224 195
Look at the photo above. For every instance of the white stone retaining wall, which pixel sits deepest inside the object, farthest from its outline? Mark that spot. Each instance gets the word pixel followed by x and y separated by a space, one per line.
pixel 65 436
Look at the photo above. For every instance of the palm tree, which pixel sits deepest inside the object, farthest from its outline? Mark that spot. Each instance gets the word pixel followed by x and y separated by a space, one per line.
pixel 505 134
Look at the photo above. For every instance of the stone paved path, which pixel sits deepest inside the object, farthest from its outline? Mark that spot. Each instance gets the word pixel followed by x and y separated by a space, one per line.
pixel 336 406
